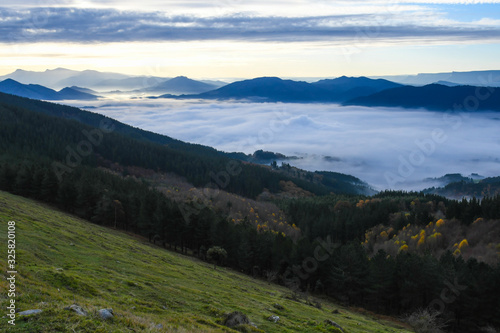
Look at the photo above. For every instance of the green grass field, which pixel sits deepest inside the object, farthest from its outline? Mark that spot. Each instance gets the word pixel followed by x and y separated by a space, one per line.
pixel 62 260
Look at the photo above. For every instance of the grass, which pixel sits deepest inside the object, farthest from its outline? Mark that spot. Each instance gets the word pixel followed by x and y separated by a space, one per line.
pixel 63 260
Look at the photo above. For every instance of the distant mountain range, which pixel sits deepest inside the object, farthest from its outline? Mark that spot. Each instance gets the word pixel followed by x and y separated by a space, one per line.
pixel 181 85
pixel 345 88
pixel 60 77
pixel 104 81
pixel 434 97
pixel 35 91
pixel 273 89
pixel 473 78
pixel 448 92
pixel 356 91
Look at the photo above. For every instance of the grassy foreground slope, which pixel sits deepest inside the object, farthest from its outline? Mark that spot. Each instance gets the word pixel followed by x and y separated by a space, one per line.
pixel 62 260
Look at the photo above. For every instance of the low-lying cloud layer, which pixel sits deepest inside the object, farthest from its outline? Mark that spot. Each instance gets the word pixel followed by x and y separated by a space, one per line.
pixel 388 148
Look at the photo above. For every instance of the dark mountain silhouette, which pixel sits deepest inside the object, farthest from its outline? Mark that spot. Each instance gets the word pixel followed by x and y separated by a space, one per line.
pixel 266 89
pixel 345 88
pixel 270 89
pixel 181 85
pixel 75 94
pixel 35 91
pixel 273 89
pixel 435 97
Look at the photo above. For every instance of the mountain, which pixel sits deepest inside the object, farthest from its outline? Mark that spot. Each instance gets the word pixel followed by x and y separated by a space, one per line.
pixel 473 78
pixel 129 83
pixel 345 88
pixel 75 94
pixel 274 89
pixel 267 89
pixel 48 78
pixel 61 77
pixel 132 147
pixel 468 187
pixel 35 91
pixel 180 85
pixel 434 97
pixel 89 78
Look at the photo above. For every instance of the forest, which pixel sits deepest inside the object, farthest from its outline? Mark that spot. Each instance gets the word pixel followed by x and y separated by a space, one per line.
pixel 393 253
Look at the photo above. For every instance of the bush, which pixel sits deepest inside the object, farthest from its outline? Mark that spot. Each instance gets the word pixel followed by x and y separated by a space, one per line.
pixel 425 321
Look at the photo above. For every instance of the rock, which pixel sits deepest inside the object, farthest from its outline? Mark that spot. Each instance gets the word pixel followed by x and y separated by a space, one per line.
pixel 106 314
pixel 78 309
pixel 29 312
pixel 235 318
pixel 334 324
pixel 278 306
pixel 274 318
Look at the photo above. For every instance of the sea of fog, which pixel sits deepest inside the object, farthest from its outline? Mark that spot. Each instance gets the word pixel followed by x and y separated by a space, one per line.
pixel 386 147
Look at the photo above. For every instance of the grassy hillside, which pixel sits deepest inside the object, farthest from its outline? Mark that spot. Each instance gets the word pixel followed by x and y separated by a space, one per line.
pixel 63 260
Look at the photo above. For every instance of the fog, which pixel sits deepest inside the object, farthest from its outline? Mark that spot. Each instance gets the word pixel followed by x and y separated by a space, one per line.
pixel 386 147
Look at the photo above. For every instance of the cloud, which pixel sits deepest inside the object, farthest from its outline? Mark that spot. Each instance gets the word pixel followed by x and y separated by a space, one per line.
pixel 369 143
pixel 83 25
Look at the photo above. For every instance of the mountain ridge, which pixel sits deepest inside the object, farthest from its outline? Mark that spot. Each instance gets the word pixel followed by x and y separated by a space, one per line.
pixel 434 97
pixel 35 91
pixel 275 89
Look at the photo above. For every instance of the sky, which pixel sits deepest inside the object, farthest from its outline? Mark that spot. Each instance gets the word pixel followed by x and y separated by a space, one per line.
pixel 244 39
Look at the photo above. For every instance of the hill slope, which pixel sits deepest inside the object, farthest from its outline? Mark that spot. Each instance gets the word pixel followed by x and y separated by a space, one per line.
pixel 62 260
pixel 193 161
pixel 435 97
pixel 36 91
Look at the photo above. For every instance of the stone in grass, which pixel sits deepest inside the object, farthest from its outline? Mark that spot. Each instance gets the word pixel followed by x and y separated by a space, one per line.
pixel 274 318
pixel 29 312
pixel 334 324
pixel 78 309
pixel 106 314
pixel 278 306
pixel 235 318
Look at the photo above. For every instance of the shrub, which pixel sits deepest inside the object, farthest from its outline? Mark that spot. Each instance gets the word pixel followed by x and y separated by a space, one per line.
pixel 425 321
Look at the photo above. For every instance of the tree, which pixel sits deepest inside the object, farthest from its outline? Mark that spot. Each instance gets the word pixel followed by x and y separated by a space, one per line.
pixel 217 254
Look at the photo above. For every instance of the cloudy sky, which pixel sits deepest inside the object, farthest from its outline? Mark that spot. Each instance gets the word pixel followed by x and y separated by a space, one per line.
pixel 236 38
